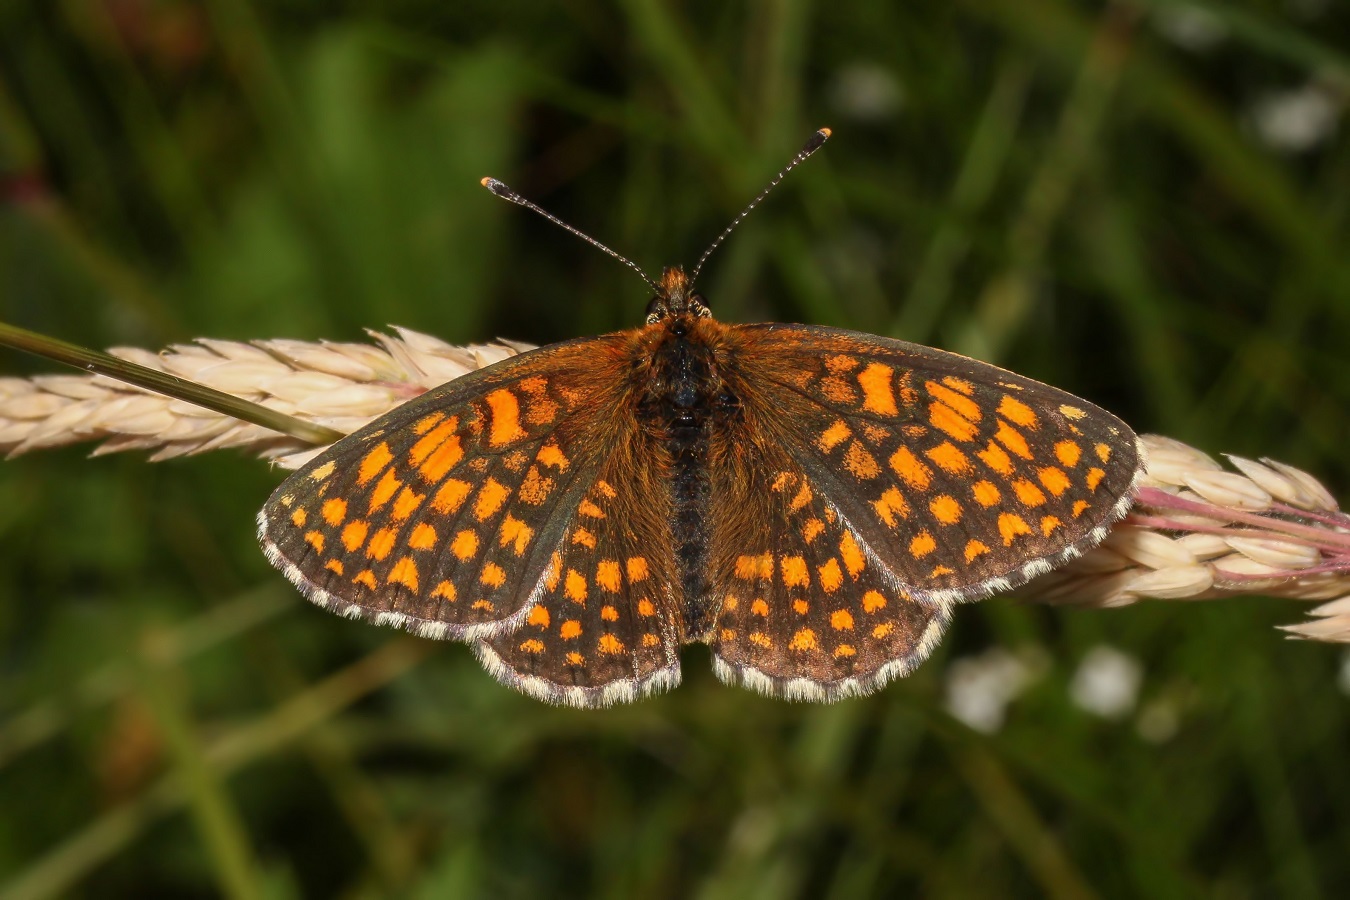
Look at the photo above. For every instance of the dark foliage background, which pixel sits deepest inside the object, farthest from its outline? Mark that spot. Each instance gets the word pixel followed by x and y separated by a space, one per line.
pixel 1144 202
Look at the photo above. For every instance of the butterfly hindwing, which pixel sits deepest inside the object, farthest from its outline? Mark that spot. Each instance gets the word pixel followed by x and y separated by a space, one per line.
pixel 442 516
pixel 960 478
pixel 607 626
pixel 805 614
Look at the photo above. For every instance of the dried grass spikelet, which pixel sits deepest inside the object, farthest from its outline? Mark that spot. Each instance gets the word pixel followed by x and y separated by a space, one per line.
pixel 340 385
pixel 1197 531
pixel 1200 532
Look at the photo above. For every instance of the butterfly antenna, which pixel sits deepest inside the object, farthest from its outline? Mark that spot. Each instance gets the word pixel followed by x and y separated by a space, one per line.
pixel 811 146
pixel 505 192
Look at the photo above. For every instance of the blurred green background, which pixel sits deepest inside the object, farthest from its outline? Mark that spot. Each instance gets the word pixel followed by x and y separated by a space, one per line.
pixel 1143 202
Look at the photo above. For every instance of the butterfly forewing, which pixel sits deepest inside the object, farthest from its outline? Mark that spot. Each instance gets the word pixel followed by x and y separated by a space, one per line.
pixel 959 478
pixel 443 516
pixel 607 627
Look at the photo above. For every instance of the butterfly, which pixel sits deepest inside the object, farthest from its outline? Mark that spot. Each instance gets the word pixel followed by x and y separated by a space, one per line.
pixel 810 502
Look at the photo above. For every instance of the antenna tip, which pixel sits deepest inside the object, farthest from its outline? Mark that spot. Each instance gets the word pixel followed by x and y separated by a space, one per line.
pixel 492 184
pixel 814 141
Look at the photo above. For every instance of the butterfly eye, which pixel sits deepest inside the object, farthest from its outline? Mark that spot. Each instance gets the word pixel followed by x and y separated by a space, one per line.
pixel 699 307
pixel 656 310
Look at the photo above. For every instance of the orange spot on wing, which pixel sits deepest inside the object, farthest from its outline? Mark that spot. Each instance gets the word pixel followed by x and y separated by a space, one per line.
pixel 945 419
pixel 959 384
pixel 465 544
pixel 388 486
pixel 299 517
pixel 367 578
pixel 444 458
pixel 812 530
pixel 493 575
pixel 429 442
pixel 575 659
pixel 1080 507
pixel 759 607
pixel 354 535
pixel 318 474
pixel 587 508
pixel 1103 452
pixel 831 576
pixel 381 542
pixel 334 565
pixel 804 640
pixel 841 620
pixel 607 575
pixel 1068 453
pixel 986 494
pixel 1094 478
pixel 883 630
pixel 609 614
pixel 1055 481
pixel 851 554
pixel 873 601
pixel 1018 412
pixel 940 571
pixel 844 650
pixel 921 545
pixel 406 504
pixel 1028 493
pixel 645 608
pixel 315 540
pixel 505 419
pixel 800 607
pixel 994 457
pixel 859 463
pixel 426 423
pixel 760 639
pixel 450 496
pixel 533 645
pixel 1010 525
pixel 750 568
pixel 583 537
pixel 515 533
pixel 373 462
pixel 491 496
pixel 833 436
pixel 551 455
pixel 637 569
pixel 444 591
pixel 950 459
pixel 802 498
pixel 570 630
pixel 795 573
pixel 975 549
pixel 875 381
pixel 610 644
pixel 404 573
pixel 575 586
pixel 650 640
pixel 945 509
pixel 334 511
pixel 910 469
pixel 1071 412
pixel 1049 524
pixel 891 507
pixel 539 617
pixel 956 400
pixel 1012 439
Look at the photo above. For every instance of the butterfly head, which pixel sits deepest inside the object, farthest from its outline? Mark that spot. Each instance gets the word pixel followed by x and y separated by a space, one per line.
pixel 675 297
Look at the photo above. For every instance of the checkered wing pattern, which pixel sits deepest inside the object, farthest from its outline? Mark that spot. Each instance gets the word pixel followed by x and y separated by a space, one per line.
pixel 445 516
pixel 805 613
pixel 606 628
pixel 959 478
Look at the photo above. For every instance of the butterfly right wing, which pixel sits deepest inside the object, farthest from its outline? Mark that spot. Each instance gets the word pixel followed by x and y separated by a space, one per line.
pixel 444 515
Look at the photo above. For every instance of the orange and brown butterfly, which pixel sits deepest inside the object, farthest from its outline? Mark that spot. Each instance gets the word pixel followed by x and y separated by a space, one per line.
pixel 808 501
